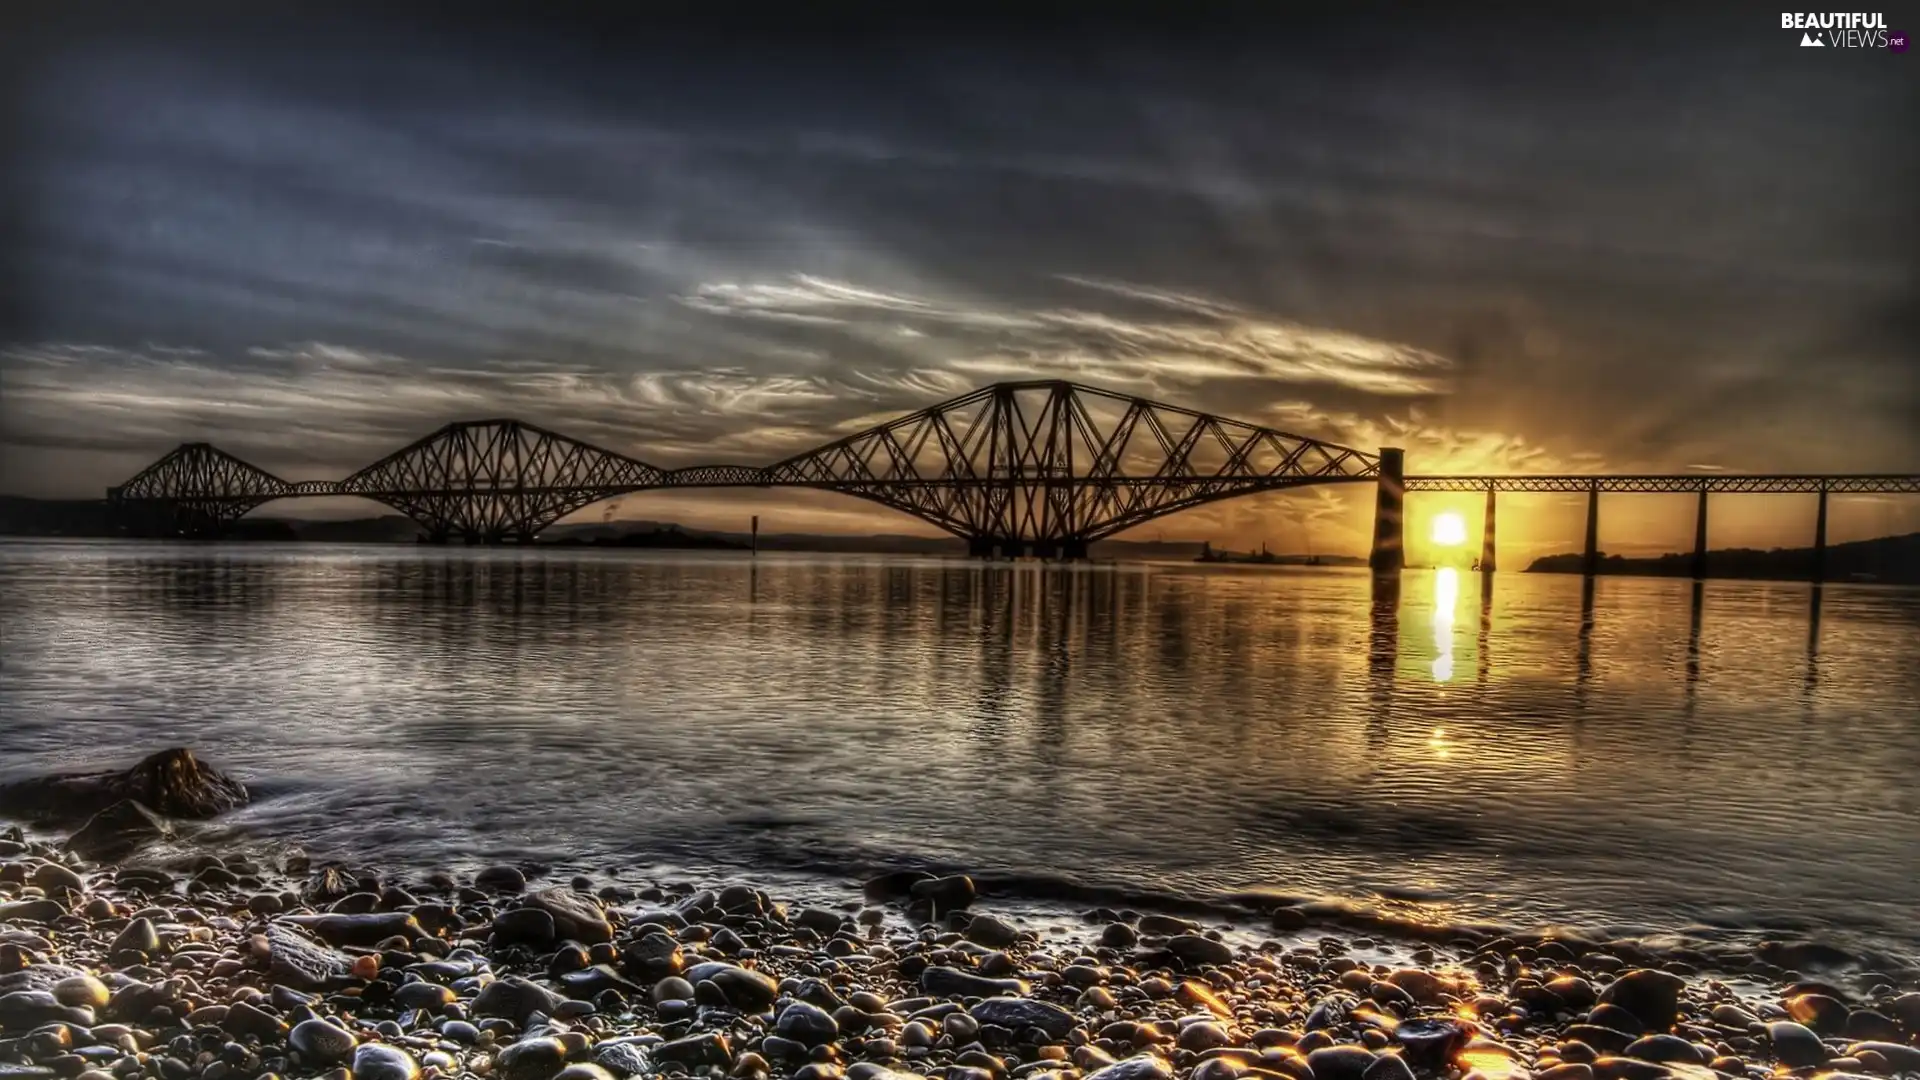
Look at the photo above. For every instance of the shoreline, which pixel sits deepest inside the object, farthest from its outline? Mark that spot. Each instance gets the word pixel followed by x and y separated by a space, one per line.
pixel 221 967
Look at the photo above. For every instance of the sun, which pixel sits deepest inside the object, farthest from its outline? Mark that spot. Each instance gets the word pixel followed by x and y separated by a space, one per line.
pixel 1449 530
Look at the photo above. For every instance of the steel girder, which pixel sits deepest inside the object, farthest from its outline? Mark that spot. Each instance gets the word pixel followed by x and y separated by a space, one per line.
pixel 1682 483
pixel 492 480
pixel 1043 466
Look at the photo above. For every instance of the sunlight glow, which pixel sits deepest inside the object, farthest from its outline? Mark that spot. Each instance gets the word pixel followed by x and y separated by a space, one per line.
pixel 1446 596
pixel 1449 530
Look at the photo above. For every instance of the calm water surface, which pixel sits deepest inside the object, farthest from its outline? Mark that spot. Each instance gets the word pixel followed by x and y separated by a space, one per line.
pixel 1643 759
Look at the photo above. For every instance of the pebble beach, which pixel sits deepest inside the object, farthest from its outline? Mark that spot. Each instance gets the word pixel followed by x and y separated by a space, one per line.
pixel 194 964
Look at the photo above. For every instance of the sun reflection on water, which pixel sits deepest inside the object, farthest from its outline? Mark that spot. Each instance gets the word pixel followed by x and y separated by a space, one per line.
pixel 1446 597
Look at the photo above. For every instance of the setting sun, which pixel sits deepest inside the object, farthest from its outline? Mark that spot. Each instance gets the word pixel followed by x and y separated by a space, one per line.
pixel 1449 530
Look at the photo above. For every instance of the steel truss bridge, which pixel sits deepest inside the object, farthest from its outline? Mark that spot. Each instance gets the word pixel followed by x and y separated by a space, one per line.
pixel 1039 468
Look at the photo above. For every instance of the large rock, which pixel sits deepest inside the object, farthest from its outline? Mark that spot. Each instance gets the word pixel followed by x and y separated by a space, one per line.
pixel 173 783
pixel 296 960
pixel 118 831
pixel 576 916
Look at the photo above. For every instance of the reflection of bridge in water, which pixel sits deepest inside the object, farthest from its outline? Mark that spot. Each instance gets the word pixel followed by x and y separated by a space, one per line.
pixel 1037 469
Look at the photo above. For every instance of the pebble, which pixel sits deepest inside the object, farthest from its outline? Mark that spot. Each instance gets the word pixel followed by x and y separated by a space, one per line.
pixel 378 1061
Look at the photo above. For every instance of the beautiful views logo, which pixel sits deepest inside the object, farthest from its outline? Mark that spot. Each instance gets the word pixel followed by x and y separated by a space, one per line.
pixel 1843 30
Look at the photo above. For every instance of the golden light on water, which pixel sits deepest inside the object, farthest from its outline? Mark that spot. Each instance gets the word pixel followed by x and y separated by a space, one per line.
pixel 1446 597
pixel 1449 529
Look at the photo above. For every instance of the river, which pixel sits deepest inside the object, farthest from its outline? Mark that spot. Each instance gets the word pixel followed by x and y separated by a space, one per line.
pixel 1728 762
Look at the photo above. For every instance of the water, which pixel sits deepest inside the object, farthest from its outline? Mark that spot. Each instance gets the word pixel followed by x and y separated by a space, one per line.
pixel 1627 762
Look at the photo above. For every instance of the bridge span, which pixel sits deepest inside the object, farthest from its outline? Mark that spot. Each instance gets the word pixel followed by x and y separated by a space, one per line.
pixel 1038 468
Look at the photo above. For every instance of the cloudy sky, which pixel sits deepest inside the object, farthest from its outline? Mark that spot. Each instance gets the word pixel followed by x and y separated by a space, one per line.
pixel 1630 243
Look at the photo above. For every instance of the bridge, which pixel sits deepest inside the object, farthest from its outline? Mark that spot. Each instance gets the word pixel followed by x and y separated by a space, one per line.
pixel 1035 468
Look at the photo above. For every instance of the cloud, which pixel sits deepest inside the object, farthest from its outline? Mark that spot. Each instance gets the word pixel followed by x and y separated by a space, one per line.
pixel 1190 341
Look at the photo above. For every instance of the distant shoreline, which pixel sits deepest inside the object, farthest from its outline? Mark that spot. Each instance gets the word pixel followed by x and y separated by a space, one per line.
pixel 1887 560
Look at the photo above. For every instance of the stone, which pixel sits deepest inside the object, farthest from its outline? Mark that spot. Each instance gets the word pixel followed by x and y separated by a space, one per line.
pixel 1431 1042
pixel 584 1070
pixel 515 998
pixel 1018 1014
pixel 653 957
pixel 22 1010
pixel 1900 1058
pixel 1821 1012
pixel 1201 1036
pixel 118 831
pixel 1119 936
pixel 1195 951
pixel 524 926
pixel 695 1051
pixel 1651 996
pixel 378 1061
pixel 139 936
pixel 1665 1048
pixel 501 879
pixel 1388 1067
pixel 623 1057
pixel 807 1024
pixel 1138 1067
pixel 952 982
pixel 302 963
pixel 1796 1045
pixel 172 783
pixel 531 1059
pixel 1344 1062
pixel 991 932
pixel 576 916
pixel 55 879
pixel 955 893
pixel 244 1019
pixel 365 929
pixel 34 911
pixel 1167 925
pixel 321 1042
pixel 748 991
pixel 82 991
pixel 1422 986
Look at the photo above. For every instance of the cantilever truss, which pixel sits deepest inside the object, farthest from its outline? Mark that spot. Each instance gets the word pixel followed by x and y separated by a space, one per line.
pixel 196 488
pixel 1040 467
pixel 496 479
pixel 1047 467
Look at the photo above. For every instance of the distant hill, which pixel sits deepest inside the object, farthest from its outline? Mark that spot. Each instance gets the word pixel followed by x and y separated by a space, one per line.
pixel 1894 559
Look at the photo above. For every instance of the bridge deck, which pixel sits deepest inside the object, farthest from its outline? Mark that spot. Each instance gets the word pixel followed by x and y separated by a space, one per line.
pixel 1678 483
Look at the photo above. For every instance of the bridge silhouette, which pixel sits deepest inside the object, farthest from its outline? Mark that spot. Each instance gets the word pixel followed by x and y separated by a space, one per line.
pixel 1035 468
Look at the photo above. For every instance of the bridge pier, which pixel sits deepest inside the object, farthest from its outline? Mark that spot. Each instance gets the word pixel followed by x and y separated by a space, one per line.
pixel 1820 539
pixel 1486 534
pixel 1590 561
pixel 1700 538
pixel 1390 493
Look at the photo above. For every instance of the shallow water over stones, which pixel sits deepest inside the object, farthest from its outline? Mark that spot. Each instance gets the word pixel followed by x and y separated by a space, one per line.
pixel 1177 731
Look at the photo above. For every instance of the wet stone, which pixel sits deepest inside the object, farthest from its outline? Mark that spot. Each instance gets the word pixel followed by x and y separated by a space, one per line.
pixel 321 1042
pixel 515 998
pixel 304 964
pixel 1795 1044
pixel 531 1059
pixel 1653 997
pixel 1019 1014
pixel 378 1061
pixel 1340 1062
pixel 807 1024
pixel 1139 1067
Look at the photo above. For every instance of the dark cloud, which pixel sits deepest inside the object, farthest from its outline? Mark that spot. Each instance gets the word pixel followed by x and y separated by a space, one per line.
pixel 1643 241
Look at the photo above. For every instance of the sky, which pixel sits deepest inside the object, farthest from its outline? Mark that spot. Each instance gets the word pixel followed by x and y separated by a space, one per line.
pixel 1621 243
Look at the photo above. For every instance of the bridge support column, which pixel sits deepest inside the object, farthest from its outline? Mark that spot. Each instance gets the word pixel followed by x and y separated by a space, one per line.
pixel 1486 534
pixel 1390 493
pixel 1700 538
pixel 1590 562
pixel 1820 539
